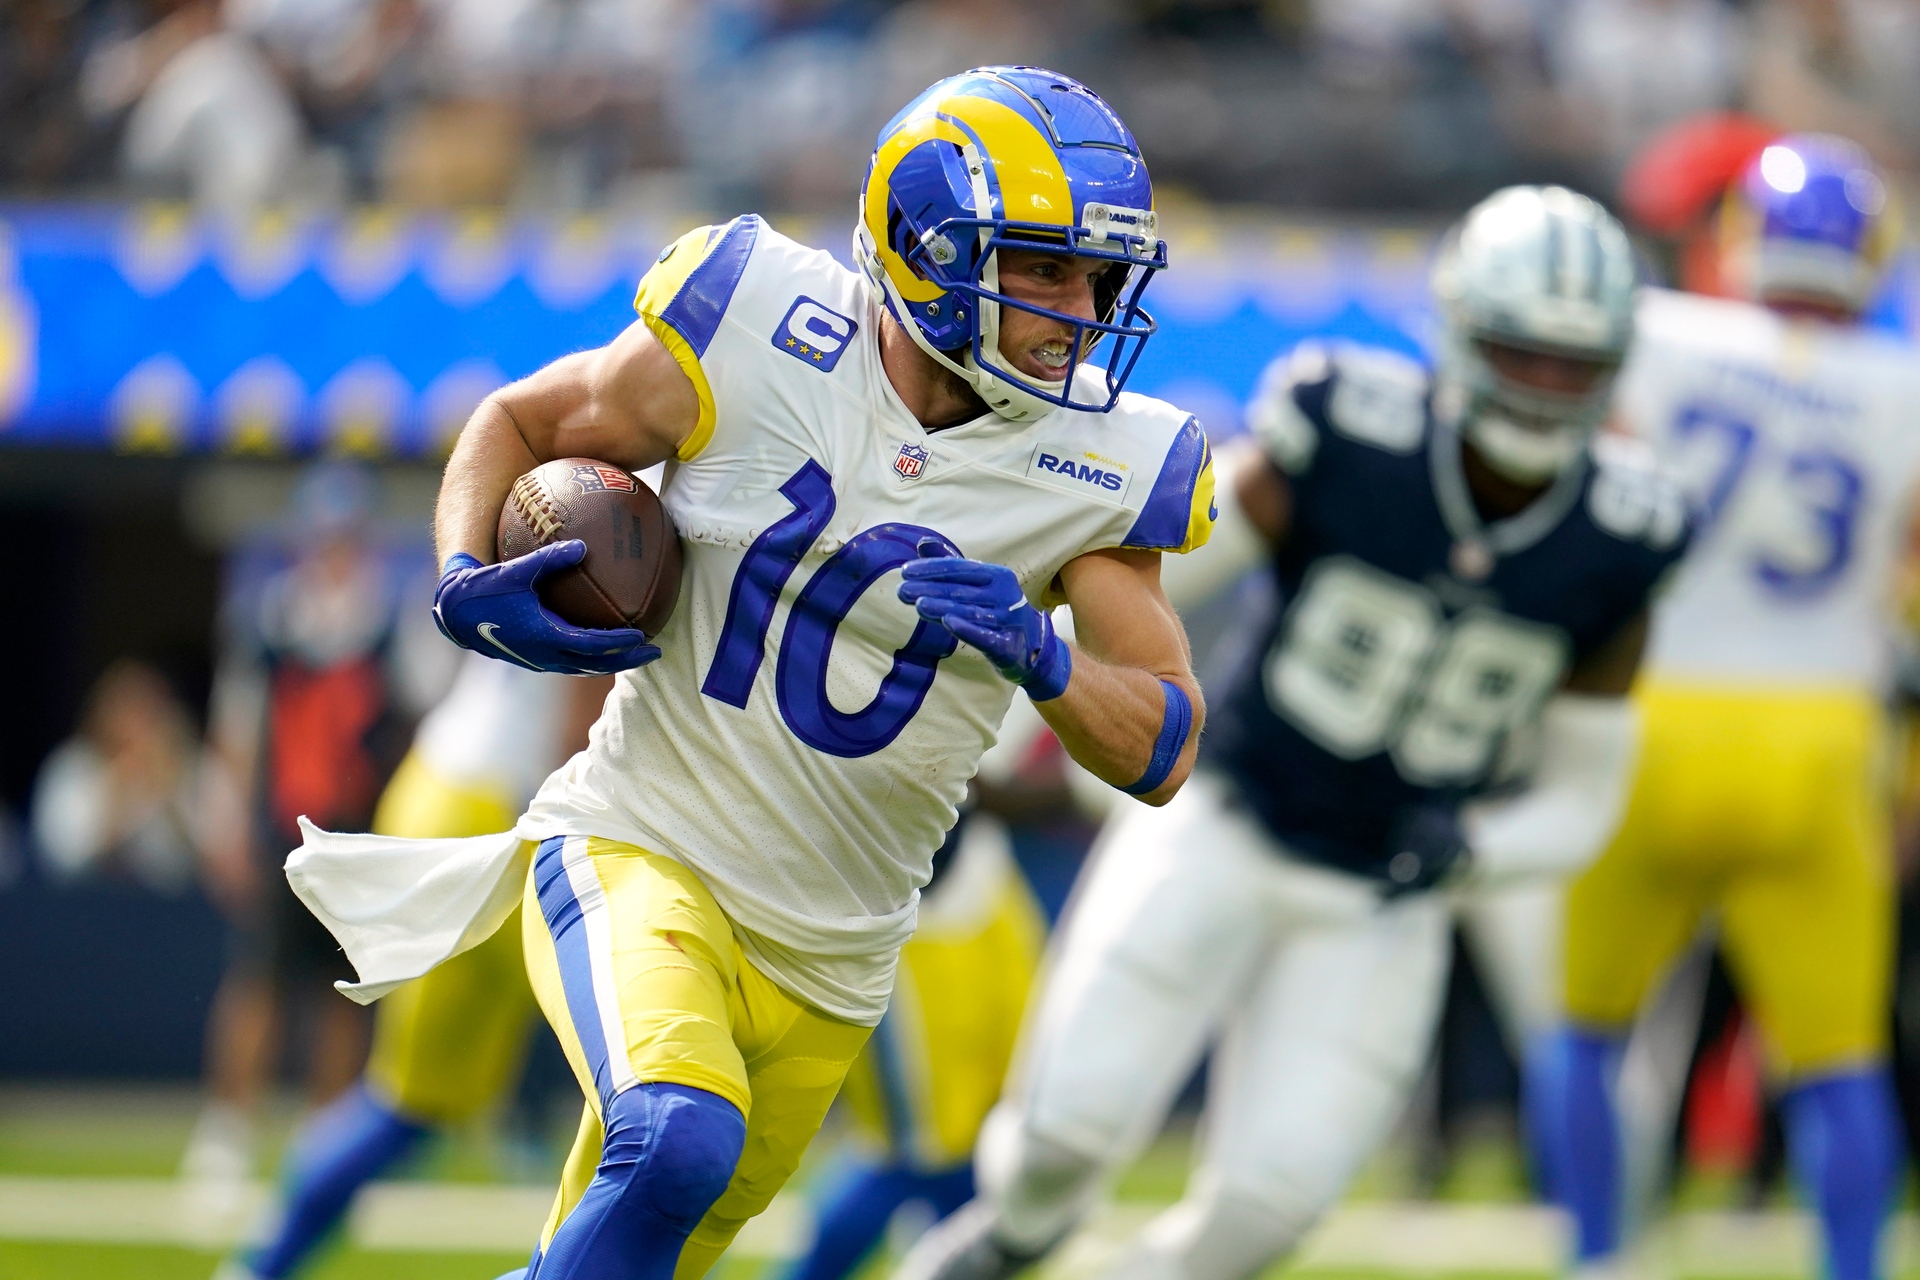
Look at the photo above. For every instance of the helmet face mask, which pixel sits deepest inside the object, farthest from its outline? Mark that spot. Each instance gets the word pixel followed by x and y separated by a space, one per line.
pixel 934 223
pixel 1122 317
pixel 1529 432
pixel 1536 288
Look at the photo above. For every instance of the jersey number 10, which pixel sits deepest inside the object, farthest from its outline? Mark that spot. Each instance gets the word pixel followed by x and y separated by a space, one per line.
pixel 800 671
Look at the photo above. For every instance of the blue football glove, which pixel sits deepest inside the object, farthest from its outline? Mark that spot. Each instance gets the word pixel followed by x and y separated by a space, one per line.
pixel 1425 850
pixel 495 609
pixel 983 605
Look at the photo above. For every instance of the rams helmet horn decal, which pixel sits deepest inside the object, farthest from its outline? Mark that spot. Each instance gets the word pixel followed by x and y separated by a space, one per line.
pixel 1009 157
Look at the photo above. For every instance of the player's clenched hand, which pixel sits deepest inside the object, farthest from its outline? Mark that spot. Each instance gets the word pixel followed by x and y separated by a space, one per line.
pixel 495 609
pixel 983 605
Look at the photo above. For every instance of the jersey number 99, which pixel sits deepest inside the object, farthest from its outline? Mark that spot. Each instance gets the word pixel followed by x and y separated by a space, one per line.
pixel 1366 662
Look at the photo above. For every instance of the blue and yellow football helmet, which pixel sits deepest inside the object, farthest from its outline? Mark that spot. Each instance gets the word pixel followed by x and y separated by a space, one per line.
pixel 1811 220
pixel 1010 157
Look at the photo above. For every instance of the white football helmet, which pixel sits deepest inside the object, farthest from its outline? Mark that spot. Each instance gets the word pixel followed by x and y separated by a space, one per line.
pixel 1546 270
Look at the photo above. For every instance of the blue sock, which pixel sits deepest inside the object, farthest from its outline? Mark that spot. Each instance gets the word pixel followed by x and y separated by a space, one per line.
pixel 668 1154
pixel 1576 1135
pixel 857 1210
pixel 1842 1131
pixel 343 1147
pixel 1543 1088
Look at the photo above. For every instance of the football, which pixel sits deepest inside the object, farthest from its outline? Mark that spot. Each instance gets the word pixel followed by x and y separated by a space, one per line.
pixel 631 574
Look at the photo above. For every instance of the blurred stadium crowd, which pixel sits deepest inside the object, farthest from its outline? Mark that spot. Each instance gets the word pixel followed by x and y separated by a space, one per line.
pixel 1357 104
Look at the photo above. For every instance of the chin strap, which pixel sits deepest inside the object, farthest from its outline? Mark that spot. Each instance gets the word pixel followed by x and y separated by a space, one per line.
pixel 1003 395
pixel 1522 454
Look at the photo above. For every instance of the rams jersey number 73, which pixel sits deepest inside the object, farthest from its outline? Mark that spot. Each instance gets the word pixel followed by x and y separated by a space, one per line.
pixel 805 778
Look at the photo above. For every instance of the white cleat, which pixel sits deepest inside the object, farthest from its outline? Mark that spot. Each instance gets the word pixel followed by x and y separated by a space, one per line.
pixel 963 1247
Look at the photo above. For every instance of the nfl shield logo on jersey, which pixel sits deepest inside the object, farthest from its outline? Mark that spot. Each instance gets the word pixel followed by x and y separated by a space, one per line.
pixel 911 462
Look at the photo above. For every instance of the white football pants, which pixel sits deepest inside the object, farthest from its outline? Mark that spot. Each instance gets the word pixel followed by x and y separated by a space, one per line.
pixel 1191 926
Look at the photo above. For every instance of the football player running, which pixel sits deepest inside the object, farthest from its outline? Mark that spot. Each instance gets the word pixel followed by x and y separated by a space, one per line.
pixel 1461 580
pixel 882 480
pixel 1759 795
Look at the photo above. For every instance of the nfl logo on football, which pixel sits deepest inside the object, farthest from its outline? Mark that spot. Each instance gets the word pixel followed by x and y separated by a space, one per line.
pixel 597 479
pixel 911 462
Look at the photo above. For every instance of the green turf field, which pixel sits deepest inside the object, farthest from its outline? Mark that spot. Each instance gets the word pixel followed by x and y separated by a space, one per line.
pixel 89 1174
pixel 37 1261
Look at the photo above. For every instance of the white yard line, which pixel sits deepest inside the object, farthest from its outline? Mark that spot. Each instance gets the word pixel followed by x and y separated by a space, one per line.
pixel 442 1217
pixel 1408 1239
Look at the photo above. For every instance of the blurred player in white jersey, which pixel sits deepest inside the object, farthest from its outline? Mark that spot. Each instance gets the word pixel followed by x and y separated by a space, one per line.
pixel 1458 586
pixel 449 1045
pixel 1760 798
pixel 883 480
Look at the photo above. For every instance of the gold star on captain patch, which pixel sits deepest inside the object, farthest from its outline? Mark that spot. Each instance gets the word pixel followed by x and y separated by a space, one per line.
pixel 789 341
pixel 804 348
pixel 816 355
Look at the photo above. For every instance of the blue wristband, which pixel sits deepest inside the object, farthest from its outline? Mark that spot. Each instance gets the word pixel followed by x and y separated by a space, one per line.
pixel 1051 670
pixel 458 560
pixel 1174 727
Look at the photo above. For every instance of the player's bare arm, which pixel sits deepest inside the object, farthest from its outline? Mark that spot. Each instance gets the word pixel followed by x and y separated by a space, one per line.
pixel 626 403
pixel 1609 670
pixel 1259 488
pixel 1123 700
pixel 1128 640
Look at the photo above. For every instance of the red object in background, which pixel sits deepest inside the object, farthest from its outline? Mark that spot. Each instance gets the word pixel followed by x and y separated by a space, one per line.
pixel 1674 186
pixel 1724 1101
pixel 1679 176
pixel 1045 754
pixel 319 724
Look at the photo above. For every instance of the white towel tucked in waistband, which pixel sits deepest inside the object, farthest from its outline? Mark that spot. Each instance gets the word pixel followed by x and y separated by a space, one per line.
pixel 397 906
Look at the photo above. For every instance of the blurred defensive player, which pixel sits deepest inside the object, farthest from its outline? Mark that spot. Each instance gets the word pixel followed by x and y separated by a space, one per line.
pixel 1760 793
pixel 1461 582
pixel 720 885
pixel 447 1046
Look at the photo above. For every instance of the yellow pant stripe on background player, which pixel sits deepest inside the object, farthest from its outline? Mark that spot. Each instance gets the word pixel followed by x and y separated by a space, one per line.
pixel 641 975
pixel 936 1063
pixel 1766 809
pixel 448 1045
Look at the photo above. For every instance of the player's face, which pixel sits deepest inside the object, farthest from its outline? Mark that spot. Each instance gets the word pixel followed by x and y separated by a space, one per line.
pixel 1543 371
pixel 1039 346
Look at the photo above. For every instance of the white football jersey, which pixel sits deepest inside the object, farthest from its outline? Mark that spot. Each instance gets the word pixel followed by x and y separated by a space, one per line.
pixel 1799 445
pixel 804 739
pixel 497 730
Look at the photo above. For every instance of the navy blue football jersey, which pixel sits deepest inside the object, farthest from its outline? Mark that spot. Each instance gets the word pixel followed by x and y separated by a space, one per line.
pixel 1408 646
